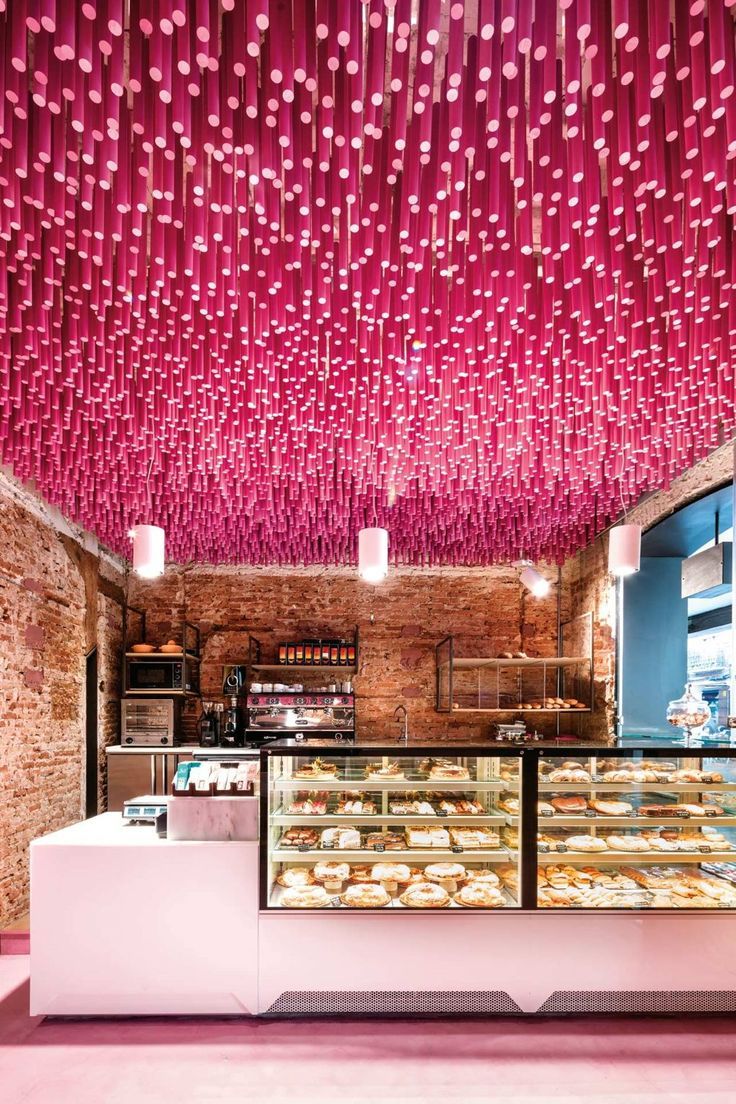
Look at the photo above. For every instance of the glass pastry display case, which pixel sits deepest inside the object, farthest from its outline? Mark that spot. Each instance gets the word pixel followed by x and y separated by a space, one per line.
pixel 636 830
pixel 389 828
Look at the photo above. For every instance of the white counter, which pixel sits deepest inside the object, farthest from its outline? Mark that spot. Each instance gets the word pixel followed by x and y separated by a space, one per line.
pixel 124 923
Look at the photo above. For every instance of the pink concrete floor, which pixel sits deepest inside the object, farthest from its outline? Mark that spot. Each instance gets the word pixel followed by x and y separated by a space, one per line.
pixel 593 1061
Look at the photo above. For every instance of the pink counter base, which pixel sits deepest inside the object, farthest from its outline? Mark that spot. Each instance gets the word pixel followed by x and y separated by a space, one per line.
pixel 575 1061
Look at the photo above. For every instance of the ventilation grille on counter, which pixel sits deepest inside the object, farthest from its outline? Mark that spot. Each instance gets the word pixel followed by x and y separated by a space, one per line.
pixel 651 1002
pixel 381 1002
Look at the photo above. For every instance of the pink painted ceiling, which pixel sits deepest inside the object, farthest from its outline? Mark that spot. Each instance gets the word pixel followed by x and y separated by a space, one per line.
pixel 271 271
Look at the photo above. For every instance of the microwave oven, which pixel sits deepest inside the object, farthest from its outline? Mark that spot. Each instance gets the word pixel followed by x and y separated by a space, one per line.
pixel 160 676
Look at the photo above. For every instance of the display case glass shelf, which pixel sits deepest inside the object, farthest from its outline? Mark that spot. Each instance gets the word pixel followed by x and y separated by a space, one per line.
pixel 389 828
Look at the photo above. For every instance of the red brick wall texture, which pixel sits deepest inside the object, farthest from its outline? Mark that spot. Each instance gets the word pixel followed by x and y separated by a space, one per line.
pixel 43 638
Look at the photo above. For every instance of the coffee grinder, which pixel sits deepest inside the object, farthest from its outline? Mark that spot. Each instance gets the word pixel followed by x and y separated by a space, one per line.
pixel 232 731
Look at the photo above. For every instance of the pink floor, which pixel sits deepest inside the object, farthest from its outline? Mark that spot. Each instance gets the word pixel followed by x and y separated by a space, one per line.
pixel 200 1061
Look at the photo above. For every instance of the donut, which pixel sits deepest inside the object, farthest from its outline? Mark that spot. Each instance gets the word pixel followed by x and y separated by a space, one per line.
pixel 423 895
pixel 365 896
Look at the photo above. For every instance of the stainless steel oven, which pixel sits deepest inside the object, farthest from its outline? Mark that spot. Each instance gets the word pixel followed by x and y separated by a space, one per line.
pixel 148 722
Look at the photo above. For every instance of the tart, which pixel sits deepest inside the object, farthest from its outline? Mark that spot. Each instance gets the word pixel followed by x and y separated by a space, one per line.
pixel 424 895
pixel 295 876
pixel 317 769
pixel 391 772
pixel 450 772
pixel 366 895
pixel 479 895
pixel 313 896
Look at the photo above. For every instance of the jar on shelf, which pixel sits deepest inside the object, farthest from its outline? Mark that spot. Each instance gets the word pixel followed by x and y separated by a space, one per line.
pixel 689 712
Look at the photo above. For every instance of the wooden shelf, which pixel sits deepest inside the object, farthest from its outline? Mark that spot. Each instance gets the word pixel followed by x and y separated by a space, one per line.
pixel 304 668
pixel 407 854
pixel 465 820
pixel 469 663
pixel 190 658
pixel 369 785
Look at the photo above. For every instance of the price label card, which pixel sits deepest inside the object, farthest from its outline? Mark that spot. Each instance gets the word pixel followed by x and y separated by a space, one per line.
pixel 704 849
pixel 442 812
pixel 543 848
pixel 304 847
pixel 561 847
pixel 590 813
pixel 328 847
pixel 335 902
pixel 379 847
pixel 456 849
pixel 546 813
pixel 633 814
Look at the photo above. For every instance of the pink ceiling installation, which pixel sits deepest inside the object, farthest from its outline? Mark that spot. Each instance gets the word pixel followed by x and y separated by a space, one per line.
pixel 274 271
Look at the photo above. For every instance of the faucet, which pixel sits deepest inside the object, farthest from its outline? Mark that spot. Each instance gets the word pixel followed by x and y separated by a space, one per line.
pixel 401 715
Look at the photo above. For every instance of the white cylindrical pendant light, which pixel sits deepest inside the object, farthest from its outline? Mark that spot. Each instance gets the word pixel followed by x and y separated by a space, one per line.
pixel 534 581
pixel 148 550
pixel 624 550
pixel 373 555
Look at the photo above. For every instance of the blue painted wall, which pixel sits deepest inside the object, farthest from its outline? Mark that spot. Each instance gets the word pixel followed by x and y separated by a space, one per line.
pixel 654 651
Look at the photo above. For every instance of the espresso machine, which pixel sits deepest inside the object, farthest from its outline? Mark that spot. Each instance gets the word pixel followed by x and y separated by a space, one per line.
pixel 328 717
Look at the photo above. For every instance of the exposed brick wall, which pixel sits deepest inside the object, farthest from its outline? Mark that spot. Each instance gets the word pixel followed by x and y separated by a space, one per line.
pixel 109 647
pixel 486 609
pixel 589 585
pixel 43 642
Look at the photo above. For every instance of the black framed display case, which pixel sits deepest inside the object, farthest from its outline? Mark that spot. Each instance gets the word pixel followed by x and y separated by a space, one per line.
pixel 483 828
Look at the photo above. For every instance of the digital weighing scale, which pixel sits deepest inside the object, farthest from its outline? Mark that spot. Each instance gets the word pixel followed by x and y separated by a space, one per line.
pixel 144 810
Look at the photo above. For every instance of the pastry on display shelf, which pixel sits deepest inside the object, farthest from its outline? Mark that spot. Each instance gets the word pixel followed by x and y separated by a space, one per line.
pixel 610 808
pixel 709 810
pixel 569 774
pixel 691 774
pixel 318 768
pixel 449 772
pixel 392 772
pixel 355 805
pixel 295 876
pixel 425 895
pixel 446 874
pixel 410 805
pixel 390 875
pixel 630 776
pixel 672 810
pixel 509 803
pixel 510 837
pixel 331 874
pixel 571 805
pixel 627 843
pixel 479 895
pixel 586 843
pixel 475 837
pixel 482 875
pixel 392 841
pixel 360 873
pixel 299 837
pixel 313 896
pixel 427 836
pixel 343 838
pixel 461 806
pixel 365 896
pixel 307 804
